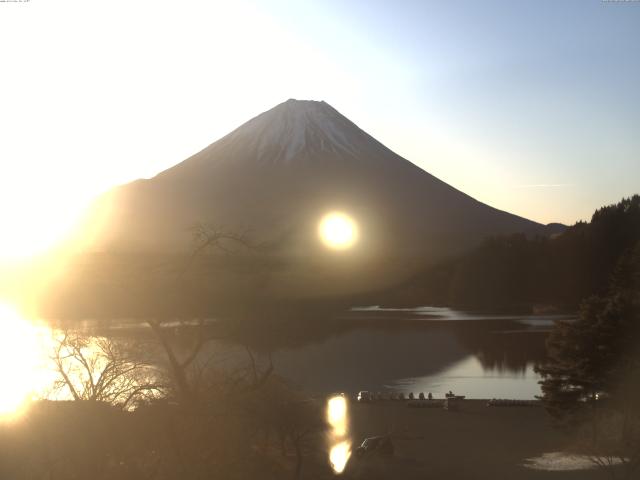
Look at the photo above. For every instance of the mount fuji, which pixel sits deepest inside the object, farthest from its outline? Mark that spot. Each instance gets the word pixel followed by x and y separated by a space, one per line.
pixel 278 174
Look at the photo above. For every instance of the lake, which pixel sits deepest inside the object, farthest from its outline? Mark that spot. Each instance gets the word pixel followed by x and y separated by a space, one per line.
pixel 424 349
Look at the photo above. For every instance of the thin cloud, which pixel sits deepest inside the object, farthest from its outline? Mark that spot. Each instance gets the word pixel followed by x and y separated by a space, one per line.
pixel 545 185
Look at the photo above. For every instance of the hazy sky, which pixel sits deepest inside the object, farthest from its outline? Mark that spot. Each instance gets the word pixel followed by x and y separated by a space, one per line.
pixel 530 106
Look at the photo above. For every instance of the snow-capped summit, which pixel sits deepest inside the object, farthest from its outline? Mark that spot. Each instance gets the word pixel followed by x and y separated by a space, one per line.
pixel 292 132
pixel 296 126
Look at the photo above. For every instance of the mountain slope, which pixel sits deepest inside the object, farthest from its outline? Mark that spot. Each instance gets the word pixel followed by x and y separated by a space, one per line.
pixel 278 173
pixel 275 177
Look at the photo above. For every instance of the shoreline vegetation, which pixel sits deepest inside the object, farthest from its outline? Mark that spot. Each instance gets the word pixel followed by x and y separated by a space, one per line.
pixel 520 273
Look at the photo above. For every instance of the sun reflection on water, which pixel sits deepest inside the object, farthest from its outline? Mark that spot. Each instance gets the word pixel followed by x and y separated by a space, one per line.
pixel 24 361
pixel 40 362
pixel 339 441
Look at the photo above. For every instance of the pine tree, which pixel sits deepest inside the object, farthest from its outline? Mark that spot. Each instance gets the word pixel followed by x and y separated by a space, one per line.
pixel 591 381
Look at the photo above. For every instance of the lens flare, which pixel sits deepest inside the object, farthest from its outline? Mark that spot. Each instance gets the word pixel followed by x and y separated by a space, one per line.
pixel 339 456
pixel 339 442
pixel 337 415
pixel 338 231
pixel 22 361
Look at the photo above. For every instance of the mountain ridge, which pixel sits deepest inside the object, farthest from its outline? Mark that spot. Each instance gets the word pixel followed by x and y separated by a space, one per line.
pixel 279 173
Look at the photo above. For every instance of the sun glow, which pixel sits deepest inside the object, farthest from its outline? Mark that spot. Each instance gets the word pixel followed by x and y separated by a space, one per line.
pixel 24 236
pixel 23 361
pixel 338 231
pixel 67 140
pixel 339 441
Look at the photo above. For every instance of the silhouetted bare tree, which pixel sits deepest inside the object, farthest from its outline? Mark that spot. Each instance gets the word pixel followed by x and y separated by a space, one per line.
pixel 100 370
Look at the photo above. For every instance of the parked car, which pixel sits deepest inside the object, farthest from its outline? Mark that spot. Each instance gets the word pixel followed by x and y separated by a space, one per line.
pixel 381 445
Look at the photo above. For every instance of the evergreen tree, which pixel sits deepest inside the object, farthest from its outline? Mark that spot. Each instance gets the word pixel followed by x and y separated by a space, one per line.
pixel 512 271
pixel 592 377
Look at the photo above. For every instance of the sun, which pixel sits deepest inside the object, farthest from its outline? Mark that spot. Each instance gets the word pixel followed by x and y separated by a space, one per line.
pixel 338 231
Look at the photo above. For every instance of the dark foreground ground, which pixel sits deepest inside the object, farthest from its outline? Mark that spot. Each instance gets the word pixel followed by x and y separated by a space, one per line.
pixel 85 441
pixel 475 442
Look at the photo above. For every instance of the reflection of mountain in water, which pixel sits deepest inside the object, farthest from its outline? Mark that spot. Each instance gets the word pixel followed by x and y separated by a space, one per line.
pixel 503 346
pixel 371 354
pixel 368 358
pixel 503 342
pixel 367 350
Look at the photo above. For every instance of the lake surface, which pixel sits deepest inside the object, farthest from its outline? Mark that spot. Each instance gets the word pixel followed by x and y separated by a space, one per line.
pixel 416 350
pixel 424 349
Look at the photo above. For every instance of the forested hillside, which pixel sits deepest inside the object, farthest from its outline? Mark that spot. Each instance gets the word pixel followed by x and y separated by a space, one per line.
pixel 517 271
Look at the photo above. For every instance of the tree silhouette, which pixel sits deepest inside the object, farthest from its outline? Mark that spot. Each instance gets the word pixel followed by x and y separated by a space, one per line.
pixel 98 369
pixel 591 382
